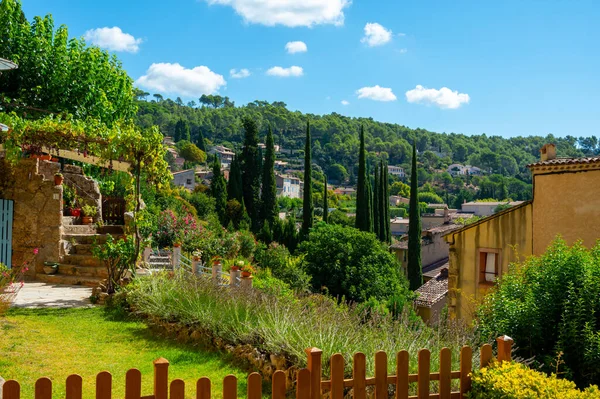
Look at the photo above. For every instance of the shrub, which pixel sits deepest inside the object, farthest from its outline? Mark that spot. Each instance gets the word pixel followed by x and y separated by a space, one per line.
pixel 118 257
pixel 430 198
pixel 277 259
pixel 351 263
pixel 551 304
pixel 515 380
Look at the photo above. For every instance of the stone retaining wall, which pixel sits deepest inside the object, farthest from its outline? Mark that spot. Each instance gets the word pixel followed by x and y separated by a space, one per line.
pixel 85 187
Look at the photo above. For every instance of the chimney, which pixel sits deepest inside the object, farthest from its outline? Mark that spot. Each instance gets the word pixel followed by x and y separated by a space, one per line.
pixel 548 152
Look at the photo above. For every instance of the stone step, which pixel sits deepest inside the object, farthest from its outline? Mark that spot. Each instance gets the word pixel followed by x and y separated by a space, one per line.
pixel 84 238
pixel 152 258
pixel 82 271
pixel 79 229
pixel 82 249
pixel 82 260
pixel 69 280
pixel 115 230
pixel 155 265
pixel 68 220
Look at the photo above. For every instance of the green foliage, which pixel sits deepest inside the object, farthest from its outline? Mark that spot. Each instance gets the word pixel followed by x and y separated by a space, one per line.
pixel 551 304
pixel 325 201
pixel 337 172
pixel 364 212
pixel 414 268
pixel 269 210
pixel 218 190
pixel 308 208
pixel 182 131
pixel 68 196
pixel 119 257
pixel 430 198
pixel 234 185
pixel 89 210
pixel 251 172
pixel 202 203
pixel 277 259
pixel 508 380
pixel 401 189
pixel 190 152
pixel 60 74
pixel 351 264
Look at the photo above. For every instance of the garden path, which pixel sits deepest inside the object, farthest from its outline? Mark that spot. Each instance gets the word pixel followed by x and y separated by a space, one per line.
pixel 35 294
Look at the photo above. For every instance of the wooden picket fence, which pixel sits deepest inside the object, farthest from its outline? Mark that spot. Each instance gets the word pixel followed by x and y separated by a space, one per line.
pixel 309 383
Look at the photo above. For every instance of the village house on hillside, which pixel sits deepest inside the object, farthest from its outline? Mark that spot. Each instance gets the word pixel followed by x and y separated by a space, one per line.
pixel 485 208
pixel 566 197
pixel 288 186
pixel 225 155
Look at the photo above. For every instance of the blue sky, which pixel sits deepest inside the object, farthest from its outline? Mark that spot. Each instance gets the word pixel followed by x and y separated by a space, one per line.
pixel 509 67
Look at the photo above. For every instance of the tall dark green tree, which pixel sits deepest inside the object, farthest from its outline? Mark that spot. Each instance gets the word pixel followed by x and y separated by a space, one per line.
pixel 377 204
pixel 182 131
pixel 268 196
pixel 415 272
pixel 363 210
pixel 307 203
pixel 385 206
pixel 250 172
pixel 200 144
pixel 325 202
pixel 234 186
pixel 218 189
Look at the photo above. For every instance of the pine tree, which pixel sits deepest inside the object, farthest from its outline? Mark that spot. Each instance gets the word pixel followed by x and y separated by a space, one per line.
pixel 363 210
pixel 234 186
pixel 415 273
pixel 200 144
pixel 325 202
pixel 218 189
pixel 377 204
pixel 250 172
pixel 269 185
pixel 307 203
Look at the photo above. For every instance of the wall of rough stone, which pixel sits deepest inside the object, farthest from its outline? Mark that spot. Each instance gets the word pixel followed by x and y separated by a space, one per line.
pixel 37 213
pixel 86 188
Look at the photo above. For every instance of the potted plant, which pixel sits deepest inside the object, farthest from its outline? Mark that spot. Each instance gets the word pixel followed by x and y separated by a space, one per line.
pixel 197 255
pixel 58 179
pixel 176 244
pixel 237 265
pixel 216 260
pixel 88 214
pixel 50 267
pixel 247 270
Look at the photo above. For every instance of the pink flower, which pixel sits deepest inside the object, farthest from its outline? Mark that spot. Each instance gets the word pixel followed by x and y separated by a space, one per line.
pixel 35 251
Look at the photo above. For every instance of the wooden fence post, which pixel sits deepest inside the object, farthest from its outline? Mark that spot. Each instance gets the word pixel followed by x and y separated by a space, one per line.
pixel 381 375
pixel 203 388
pixel 424 368
pixel 177 390
pixel 254 388
pixel 74 387
pixel 302 384
pixel 466 363
pixel 402 375
pixel 133 384
pixel 359 375
pixel 11 390
pixel 278 385
pixel 230 387
pixel 485 355
pixel 43 388
pixel 103 385
pixel 161 378
pixel 445 373
pixel 504 348
pixel 336 366
pixel 314 366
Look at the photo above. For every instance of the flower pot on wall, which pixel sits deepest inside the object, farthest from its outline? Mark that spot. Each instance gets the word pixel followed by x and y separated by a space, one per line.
pixel 87 220
pixel 246 274
pixel 58 179
pixel 50 267
pixel 76 212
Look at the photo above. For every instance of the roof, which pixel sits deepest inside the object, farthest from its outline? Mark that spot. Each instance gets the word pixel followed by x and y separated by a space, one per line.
pixel 444 228
pixel 493 203
pixel 400 245
pixel 566 161
pixel 435 268
pixel 484 220
pixel 183 171
pixel 432 291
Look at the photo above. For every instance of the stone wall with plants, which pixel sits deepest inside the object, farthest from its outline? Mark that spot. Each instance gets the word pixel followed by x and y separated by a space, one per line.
pixel 37 221
pixel 86 188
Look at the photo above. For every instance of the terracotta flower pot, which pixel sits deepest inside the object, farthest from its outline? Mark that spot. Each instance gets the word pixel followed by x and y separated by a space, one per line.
pixel 235 268
pixel 176 245
pixel 58 180
pixel 246 274
pixel 87 220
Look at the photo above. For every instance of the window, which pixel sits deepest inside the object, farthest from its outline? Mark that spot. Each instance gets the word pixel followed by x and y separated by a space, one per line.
pixel 489 269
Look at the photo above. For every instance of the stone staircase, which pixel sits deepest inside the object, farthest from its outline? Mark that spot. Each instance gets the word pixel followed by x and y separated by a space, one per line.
pixel 77 265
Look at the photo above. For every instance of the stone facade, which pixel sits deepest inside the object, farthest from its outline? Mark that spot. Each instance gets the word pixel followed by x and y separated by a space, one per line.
pixel 86 188
pixel 37 213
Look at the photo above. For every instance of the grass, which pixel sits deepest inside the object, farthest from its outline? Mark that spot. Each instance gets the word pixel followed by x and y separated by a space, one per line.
pixel 55 343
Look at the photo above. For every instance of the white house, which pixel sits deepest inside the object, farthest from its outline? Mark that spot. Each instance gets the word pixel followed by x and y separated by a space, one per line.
pixel 288 186
pixel 185 179
pixel 484 208
pixel 396 171
pixel 225 155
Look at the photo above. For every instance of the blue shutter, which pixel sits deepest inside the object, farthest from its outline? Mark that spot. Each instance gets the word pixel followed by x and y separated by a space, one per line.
pixel 6 220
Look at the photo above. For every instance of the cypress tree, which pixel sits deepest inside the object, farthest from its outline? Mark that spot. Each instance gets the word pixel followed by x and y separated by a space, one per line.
pixel 200 143
pixel 218 189
pixel 325 203
pixel 415 273
pixel 250 172
pixel 363 210
pixel 269 185
pixel 307 203
pixel 387 233
pixel 234 186
pixel 377 204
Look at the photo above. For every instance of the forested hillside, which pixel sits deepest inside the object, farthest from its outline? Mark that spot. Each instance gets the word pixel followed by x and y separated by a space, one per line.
pixel 335 142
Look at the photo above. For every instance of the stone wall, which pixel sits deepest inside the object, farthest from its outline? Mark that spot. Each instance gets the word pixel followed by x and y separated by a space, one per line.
pixel 37 213
pixel 86 188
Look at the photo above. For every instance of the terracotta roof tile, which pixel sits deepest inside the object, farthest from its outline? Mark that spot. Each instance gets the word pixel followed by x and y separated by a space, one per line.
pixel 566 161
pixel 432 291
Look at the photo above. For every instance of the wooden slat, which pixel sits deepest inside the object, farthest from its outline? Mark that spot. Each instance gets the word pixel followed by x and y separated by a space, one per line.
pixel 381 385
pixel 161 378
pixel 402 375
pixel 103 385
pixel 177 390
pixel 133 384
pixel 278 385
pixel 314 366
pixel 11 390
pixel 43 388
pixel 337 376
pixel 254 389
pixel 424 368
pixel 444 375
pixel 465 369
pixel 203 388
pixel 74 387
pixel 302 384
pixel 230 387
pixel 359 374
pixel 485 355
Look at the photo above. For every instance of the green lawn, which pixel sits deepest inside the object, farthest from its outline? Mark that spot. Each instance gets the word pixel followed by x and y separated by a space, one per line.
pixel 55 343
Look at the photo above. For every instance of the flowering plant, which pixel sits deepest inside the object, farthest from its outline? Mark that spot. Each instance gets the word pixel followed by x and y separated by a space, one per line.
pixel 247 267
pixel 11 281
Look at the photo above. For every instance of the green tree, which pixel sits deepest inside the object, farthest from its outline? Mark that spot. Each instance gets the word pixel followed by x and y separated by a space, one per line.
pixel 325 201
pixel 269 185
pixel 307 206
pixel 191 153
pixel 377 225
pixel 218 189
pixel 250 172
pixel 386 234
pixel 415 272
pixel 200 143
pixel 352 264
pixel 337 172
pixel 364 213
pixel 401 189
pixel 234 185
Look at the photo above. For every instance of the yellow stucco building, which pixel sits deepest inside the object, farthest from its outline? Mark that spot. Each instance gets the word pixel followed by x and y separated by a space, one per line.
pixel 566 200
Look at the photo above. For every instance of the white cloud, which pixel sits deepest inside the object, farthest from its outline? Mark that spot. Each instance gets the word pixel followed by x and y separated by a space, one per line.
pixel 113 39
pixel 285 72
pixel 376 93
pixel 296 47
pixel 242 73
pixel 175 79
pixel 402 51
pixel 291 13
pixel 376 35
pixel 344 102
pixel 443 98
